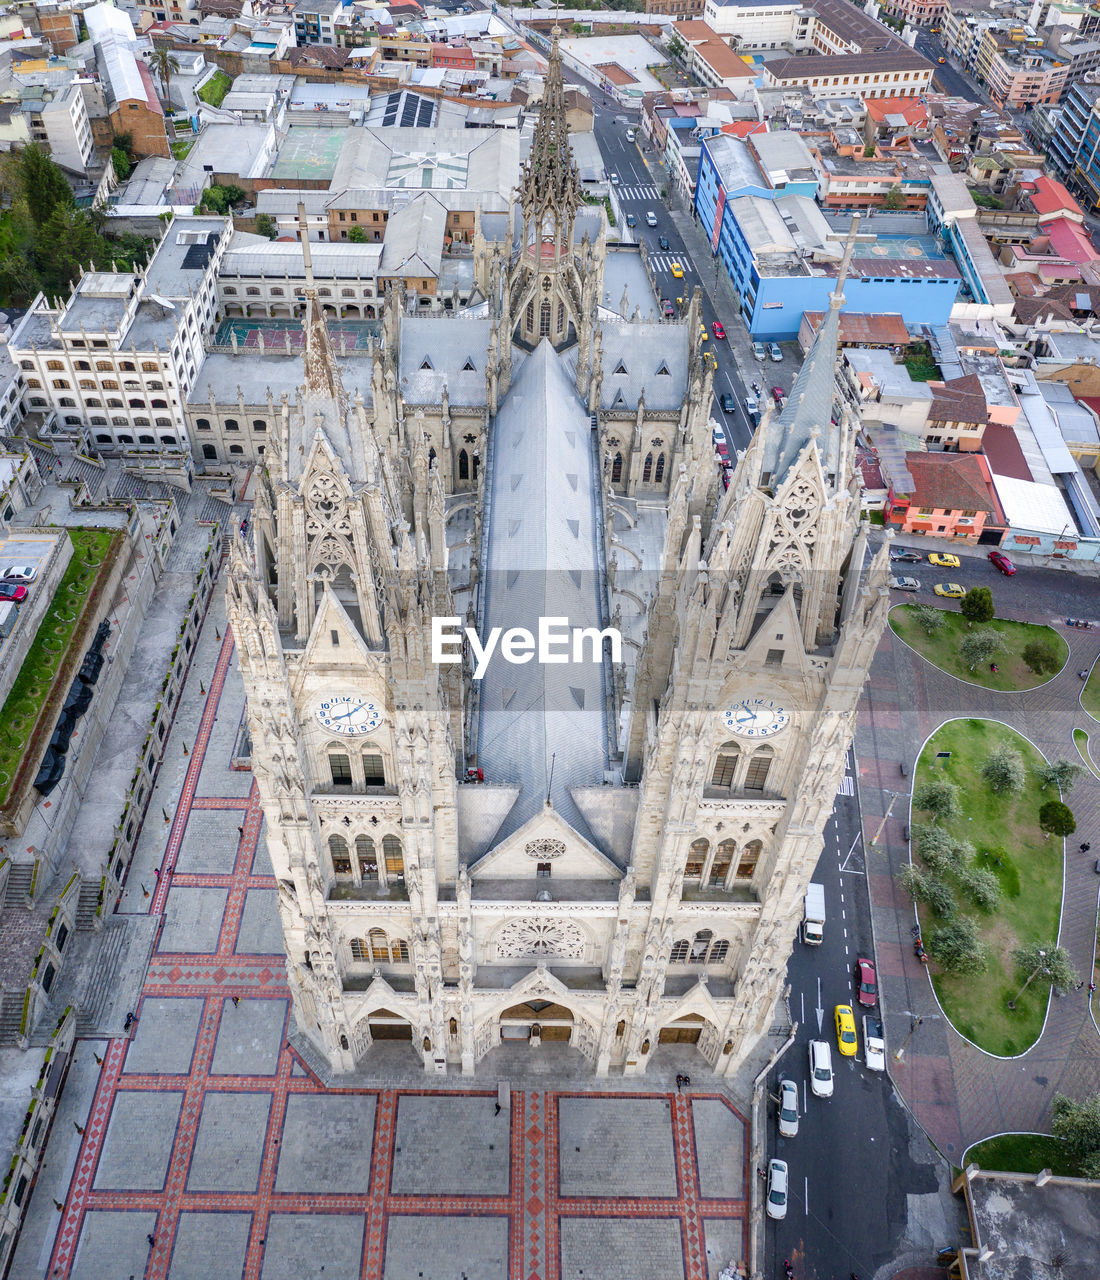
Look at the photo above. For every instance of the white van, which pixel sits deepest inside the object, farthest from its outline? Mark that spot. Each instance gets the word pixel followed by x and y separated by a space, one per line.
pixel 821 1069
pixel 630 135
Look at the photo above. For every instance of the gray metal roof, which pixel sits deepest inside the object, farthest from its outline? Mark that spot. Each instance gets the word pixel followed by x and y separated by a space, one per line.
pixel 542 562
pixel 650 356
pixel 413 243
pixel 443 352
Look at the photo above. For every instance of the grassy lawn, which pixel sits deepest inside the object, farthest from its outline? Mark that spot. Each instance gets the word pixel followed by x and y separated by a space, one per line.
pixel 28 705
pixel 1004 831
pixel 181 147
pixel 942 649
pixel 215 89
pixel 1090 695
pixel 1081 742
pixel 1024 1153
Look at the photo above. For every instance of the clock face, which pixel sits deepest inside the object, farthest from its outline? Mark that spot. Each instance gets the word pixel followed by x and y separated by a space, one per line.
pixel 756 718
pixel 349 714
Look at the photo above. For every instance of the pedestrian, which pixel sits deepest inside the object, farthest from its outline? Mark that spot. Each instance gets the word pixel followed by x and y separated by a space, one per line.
pixel 1078 985
pixel 152 1240
pixel 1092 987
pixel 240 831
pixel 236 1001
pixel 156 872
pixel 78 1128
pixel 496 1109
pixel 993 667
pixel 1086 847
pixel 98 1059
pixel 129 1020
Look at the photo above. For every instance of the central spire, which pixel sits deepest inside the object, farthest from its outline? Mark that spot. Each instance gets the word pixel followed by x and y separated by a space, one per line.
pixel 322 377
pixel 550 174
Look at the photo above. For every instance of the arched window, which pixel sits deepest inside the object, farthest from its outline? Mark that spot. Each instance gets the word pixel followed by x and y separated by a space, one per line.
pixel 720 867
pixel 718 951
pixel 697 856
pixel 102 365
pixel 725 765
pixel 750 856
pixel 80 364
pixel 561 316
pixel 203 424
pixel 160 404
pixel 258 424
pixel 544 319
pixel 86 384
pixel 659 473
pixel 338 852
pixel 700 946
pixel 617 468
pixel 103 438
pixel 54 364
pixel 98 422
pixel 127 366
pixel 149 366
pixel 359 949
pixel 276 292
pixel 61 383
pixel 679 953
pixel 67 402
pixel 379 945
pixel 126 439
pixel 759 767
pixel 374 769
pixel 395 862
pixel 463 465
pixel 209 453
pixel 647 468
pixel 531 314
pixel 400 949
pixel 367 857
pixel 231 424
pixel 236 448
pixel 29 364
pixel 146 439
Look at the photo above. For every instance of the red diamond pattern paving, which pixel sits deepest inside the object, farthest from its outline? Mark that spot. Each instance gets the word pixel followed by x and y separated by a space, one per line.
pixel 532 1206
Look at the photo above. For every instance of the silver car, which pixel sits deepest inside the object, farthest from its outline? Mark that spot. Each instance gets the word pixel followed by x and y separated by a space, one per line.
pixel 788 1109
pixel 758 352
pixel 775 351
pixel 905 584
pixel 20 573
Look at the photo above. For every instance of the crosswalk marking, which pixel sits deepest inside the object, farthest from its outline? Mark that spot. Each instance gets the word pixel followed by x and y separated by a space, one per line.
pixel 664 261
pixel 847 786
pixel 638 193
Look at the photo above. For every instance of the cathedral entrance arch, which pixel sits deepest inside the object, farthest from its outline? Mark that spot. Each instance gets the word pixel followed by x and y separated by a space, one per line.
pixel 536 1020
pixel 385 1025
pixel 685 1030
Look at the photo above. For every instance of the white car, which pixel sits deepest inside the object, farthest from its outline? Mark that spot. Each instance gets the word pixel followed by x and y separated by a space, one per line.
pixel 905 584
pixel 650 218
pixel 874 1045
pixel 614 179
pixel 20 573
pixel 821 1069
pixel 718 434
pixel 788 1108
pixel 777 1188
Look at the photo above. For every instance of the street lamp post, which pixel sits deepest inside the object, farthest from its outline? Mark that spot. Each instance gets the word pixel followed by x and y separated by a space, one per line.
pixel 1039 968
pixel 901 1051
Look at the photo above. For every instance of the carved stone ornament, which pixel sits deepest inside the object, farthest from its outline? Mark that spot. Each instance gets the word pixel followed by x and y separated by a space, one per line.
pixel 544 850
pixel 521 938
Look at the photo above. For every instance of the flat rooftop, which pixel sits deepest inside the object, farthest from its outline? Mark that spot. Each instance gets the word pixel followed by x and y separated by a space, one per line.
pixel 308 152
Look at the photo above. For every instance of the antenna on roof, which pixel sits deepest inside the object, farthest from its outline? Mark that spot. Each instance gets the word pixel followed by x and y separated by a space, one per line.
pixel 836 298
pixel 550 784
pixel 303 235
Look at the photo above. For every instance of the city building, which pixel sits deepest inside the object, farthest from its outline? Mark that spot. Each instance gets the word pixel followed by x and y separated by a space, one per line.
pixel 617 874
pixel 711 60
pixel 946 495
pixel 1074 149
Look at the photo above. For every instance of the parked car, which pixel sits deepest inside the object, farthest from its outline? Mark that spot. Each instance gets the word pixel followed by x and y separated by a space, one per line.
pixel 775 351
pixel 719 434
pixel 630 135
pixel 1002 562
pixel 874 1044
pixel 704 336
pixel 614 179
pixel 728 403
pixel 758 352
pixel 944 560
pixel 906 557
pixel 650 218
pixel 662 243
pixel 718 329
pixel 631 220
pixel 777 1188
pixel 866 983
pixel 752 408
pixel 951 590
pixel 677 270
pixel 788 1109
pixel 12 592
pixel 667 309
pixel 722 450
pixel 845 1021
pixel 905 584
pixel 778 395
pixel 821 1069
pixel 27 573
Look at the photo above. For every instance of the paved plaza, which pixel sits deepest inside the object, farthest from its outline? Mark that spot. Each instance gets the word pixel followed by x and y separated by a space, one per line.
pixel 202 1147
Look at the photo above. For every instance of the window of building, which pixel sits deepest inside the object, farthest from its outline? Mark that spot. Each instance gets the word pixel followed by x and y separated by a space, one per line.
pixel 544 319
pixel 209 453
pixel 723 859
pixel 759 767
pixel 340 766
pixel 542 870
pixel 647 468
pixel 341 858
pixel 374 772
pixel 696 859
pixel 54 364
pixel 394 859
pixel 203 424
pixel 358 949
pixel 750 856
pixel 258 424
pixel 236 449
pixel 725 765
pixel 367 858
pixel 231 424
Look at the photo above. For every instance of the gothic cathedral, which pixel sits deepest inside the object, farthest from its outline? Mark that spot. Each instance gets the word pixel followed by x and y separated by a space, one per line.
pixel 608 851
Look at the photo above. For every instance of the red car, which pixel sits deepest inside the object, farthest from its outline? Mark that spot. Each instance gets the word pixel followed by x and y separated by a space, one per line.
pixel 667 309
pixel 717 329
pixel 866 983
pixel 9 591
pixel 722 450
pixel 1003 563
pixel 777 394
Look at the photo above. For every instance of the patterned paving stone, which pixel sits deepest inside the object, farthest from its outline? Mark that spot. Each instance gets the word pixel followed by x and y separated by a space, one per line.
pixel 615 1146
pixel 622 1248
pixel 720 1149
pixel 164 1041
pixel 209 845
pixel 304 1244
pixel 113 1244
pixel 725 1239
pixel 194 920
pixel 473 1161
pixel 261 859
pixel 323 1142
pixel 139 1141
pixel 209 1245
pixel 446 1248
pixel 260 933
pixel 249 1038
pixel 229 1146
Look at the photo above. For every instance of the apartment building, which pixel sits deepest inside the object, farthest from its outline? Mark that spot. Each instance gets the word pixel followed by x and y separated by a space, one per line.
pixel 917 13
pixel 1016 69
pixel 1074 149
pixel 112 365
pixel 758 24
pixel 711 60
pixel 61 124
pixel 314 21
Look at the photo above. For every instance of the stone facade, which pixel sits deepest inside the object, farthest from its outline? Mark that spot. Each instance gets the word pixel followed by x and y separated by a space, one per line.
pixel 613 854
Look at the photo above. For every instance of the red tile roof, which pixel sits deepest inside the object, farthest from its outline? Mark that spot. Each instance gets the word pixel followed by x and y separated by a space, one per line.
pixel 953 482
pixel 959 400
pixel 1001 446
pixel 1049 198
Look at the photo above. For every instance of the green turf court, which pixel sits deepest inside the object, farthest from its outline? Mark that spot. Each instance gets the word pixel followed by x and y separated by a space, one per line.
pixel 309 152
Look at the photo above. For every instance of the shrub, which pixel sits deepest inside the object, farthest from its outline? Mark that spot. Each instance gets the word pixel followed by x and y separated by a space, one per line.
pixel 1056 819
pixel 1041 657
pixel 937 897
pixel 938 797
pixel 977 605
pixel 931 621
pixel 977 647
pixel 981 887
pixel 956 948
pixel 1003 769
pixel 1061 774
pixel 935 846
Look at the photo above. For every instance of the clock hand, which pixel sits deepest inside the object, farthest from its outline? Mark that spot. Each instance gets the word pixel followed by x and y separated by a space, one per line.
pixel 746 718
pixel 346 715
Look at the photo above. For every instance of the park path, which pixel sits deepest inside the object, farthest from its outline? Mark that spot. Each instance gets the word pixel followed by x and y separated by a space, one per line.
pixel 959 1093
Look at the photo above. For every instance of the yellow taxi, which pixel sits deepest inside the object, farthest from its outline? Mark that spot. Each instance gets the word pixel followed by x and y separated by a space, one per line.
pixel 704 333
pixel 951 590
pixel 677 270
pixel 713 360
pixel 944 561
pixel 846 1031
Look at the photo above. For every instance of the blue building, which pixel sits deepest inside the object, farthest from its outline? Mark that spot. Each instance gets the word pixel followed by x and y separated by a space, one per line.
pixel 1074 148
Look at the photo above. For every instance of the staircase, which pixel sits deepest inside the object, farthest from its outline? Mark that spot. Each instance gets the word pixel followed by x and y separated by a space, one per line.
pixel 11 1014
pixel 101 982
pixel 18 887
pixel 87 904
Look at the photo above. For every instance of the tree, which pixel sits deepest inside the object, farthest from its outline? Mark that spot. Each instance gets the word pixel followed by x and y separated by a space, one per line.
pixel 956 947
pixel 977 647
pixel 894 199
pixel 1078 1125
pixel 981 886
pixel 1042 657
pixel 121 162
pixel 42 184
pixel 66 243
pixel 977 605
pixel 938 797
pixel 164 64
pixel 266 226
pixel 931 621
pixel 1061 774
pixel 1056 819
pixel 218 199
pixel 1004 770
pixel 676 47
pixel 357 235
pixel 935 846
pixel 1048 962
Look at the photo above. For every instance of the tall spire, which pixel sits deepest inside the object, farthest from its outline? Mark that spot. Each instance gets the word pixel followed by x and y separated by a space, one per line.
pixel 550 174
pixel 322 377
pixel 809 407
